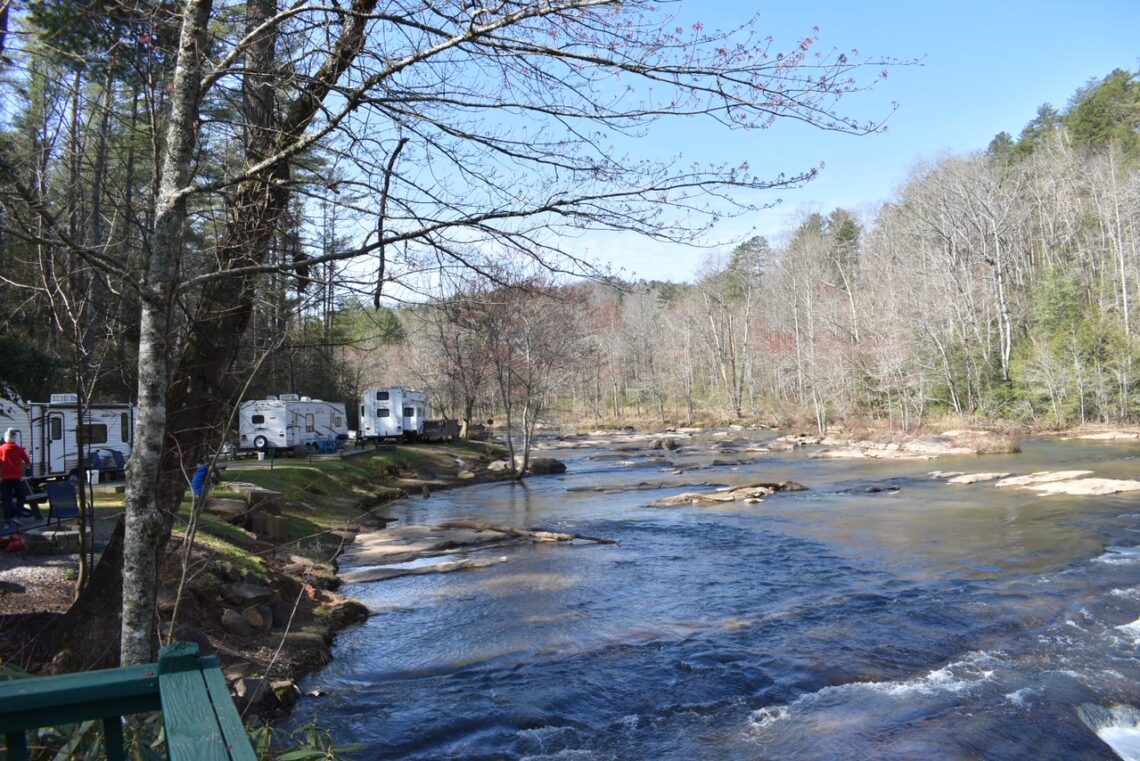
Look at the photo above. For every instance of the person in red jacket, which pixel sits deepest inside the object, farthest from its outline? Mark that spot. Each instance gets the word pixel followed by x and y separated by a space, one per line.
pixel 13 458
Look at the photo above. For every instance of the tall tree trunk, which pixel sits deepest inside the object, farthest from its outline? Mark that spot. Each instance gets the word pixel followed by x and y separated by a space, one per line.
pixel 145 518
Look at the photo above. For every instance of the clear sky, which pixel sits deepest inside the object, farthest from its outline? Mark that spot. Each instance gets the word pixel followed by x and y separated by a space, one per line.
pixel 986 67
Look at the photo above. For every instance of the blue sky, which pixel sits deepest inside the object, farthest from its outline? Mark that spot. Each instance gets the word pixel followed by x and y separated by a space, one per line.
pixel 985 67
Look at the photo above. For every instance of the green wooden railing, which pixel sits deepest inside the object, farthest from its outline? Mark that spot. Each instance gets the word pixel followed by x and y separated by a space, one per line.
pixel 198 713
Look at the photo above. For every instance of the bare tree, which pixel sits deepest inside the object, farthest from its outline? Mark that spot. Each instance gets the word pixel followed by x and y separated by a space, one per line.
pixel 508 122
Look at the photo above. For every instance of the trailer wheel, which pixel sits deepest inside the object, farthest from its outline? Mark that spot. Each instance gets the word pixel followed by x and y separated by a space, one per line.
pixel 261 443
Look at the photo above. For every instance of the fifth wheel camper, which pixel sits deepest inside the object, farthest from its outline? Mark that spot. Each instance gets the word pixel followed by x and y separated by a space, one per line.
pixel 398 412
pixel 392 412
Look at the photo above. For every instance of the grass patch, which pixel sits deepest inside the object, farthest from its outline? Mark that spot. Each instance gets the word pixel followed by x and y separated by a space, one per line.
pixel 231 544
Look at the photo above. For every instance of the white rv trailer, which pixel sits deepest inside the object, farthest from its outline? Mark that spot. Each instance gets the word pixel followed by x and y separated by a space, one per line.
pixel 50 433
pixel 289 420
pixel 392 412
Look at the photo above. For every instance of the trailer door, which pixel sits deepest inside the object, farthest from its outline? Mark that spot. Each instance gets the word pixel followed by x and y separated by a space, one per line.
pixel 55 446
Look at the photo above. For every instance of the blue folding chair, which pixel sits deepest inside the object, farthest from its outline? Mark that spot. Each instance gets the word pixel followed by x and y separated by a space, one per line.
pixel 63 502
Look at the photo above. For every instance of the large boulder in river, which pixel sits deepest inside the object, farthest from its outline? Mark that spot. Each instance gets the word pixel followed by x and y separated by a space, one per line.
pixel 542 466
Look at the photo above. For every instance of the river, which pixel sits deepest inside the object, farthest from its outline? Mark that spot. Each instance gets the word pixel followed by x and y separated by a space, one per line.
pixel 929 622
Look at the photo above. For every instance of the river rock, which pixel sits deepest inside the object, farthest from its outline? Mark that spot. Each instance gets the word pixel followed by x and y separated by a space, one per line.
pixel 694 498
pixel 542 466
pixel 844 454
pixel 1087 487
pixel 882 488
pixel 383 573
pixel 769 486
pixel 974 478
pixel 235 623
pixel 1043 477
pixel 400 544
pixel 252 693
pixel 539 466
pixel 344 611
pixel 790 486
pixel 260 617
pixel 244 594
pixel 285 691
pixel 749 493
pixel 240 670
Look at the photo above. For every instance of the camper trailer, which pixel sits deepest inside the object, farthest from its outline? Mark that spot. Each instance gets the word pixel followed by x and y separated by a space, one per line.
pixel 50 432
pixel 392 412
pixel 289 420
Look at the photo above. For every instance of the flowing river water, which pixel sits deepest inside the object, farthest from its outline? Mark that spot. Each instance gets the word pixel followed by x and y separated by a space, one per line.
pixel 937 621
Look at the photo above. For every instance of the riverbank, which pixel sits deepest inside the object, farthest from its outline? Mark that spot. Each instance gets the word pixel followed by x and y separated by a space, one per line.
pixel 258 585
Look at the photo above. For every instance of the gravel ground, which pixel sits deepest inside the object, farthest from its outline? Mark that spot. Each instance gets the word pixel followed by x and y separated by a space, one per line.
pixel 33 582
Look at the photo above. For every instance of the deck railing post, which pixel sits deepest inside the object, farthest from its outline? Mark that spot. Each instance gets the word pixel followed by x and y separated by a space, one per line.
pixel 17 743
pixel 113 738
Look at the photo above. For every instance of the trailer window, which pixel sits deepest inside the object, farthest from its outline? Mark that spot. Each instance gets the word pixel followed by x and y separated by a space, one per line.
pixel 337 422
pixel 257 419
pixel 310 423
pixel 381 396
pixel 409 412
pixel 381 412
pixel 124 428
pixel 93 433
pixel 56 428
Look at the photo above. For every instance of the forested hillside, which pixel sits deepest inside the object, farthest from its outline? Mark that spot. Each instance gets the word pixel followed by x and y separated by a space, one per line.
pixel 1001 284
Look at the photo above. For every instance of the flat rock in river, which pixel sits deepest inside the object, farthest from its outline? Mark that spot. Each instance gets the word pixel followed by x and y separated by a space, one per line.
pixel 1087 487
pixel 974 478
pixel 750 494
pixel 1043 477
pixel 402 543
